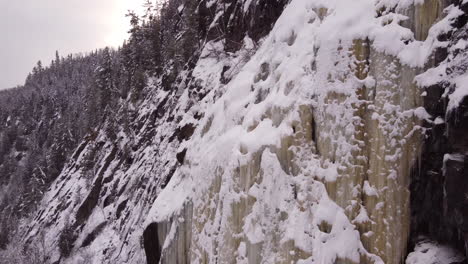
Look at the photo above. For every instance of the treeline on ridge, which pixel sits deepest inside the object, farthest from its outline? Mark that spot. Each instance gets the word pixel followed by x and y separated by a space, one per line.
pixel 59 106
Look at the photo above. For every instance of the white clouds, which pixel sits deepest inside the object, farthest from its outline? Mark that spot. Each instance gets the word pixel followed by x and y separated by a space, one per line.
pixel 120 21
pixel 32 30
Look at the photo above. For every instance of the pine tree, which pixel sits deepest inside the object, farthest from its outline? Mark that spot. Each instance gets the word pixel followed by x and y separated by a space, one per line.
pixel 57 58
pixel 104 81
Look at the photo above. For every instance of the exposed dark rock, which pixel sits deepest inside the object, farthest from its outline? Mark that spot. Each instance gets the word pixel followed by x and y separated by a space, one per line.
pixel 181 156
pixel 224 79
pixel 79 150
pixel 178 250
pixel 151 243
pixel 183 133
pixel 439 184
pixel 67 240
pixel 234 25
pixel 91 236
pixel 168 177
pixel 108 200
pixel 120 208
pixel 160 111
pixel 92 199
pixel 111 197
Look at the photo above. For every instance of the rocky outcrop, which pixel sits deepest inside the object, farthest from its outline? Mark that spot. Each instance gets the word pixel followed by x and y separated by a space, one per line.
pixel 439 181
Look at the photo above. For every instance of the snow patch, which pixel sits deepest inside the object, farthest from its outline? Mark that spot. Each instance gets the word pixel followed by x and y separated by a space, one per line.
pixel 429 252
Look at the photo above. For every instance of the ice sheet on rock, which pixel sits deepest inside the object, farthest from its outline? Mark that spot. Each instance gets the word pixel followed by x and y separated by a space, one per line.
pixel 256 111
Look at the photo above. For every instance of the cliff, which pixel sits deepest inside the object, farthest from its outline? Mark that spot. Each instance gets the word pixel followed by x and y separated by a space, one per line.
pixel 293 132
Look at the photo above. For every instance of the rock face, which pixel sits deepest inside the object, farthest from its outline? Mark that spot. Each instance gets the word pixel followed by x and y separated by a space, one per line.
pixel 304 131
pixel 352 138
pixel 439 184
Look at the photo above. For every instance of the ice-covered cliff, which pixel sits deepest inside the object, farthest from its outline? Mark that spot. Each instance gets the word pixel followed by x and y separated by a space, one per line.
pixel 304 131
pixel 307 156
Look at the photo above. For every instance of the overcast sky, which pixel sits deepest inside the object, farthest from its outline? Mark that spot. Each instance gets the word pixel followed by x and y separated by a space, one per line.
pixel 32 30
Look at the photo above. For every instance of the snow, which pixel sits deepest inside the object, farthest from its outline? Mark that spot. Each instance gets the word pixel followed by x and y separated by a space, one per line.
pixel 439 120
pixel 461 90
pixel 247 4
pixel 429 252
pixel 438 74
pixel 455 157
pixel 432 76
pixel 170 201
pixel 421 113
pixel 369 190
pixel 362 217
